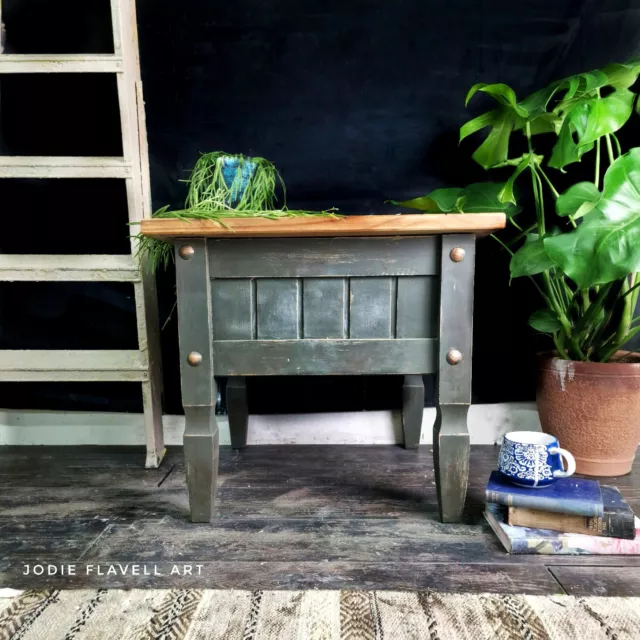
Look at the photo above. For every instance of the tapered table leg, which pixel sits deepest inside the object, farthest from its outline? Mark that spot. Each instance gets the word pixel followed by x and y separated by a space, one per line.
pixel 450 433
pixel 197 375
pixel 201 458
pixel 451 459
pixel 412 409
pixel 238 411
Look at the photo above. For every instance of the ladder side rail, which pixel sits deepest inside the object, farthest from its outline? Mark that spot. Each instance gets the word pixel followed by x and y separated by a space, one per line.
pixel 135 152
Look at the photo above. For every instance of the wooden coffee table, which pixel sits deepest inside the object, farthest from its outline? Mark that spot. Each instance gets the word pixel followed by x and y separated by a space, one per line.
pixel 368 295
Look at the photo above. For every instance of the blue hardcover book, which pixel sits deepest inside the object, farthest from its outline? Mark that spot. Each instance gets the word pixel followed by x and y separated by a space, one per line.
pixel 577 496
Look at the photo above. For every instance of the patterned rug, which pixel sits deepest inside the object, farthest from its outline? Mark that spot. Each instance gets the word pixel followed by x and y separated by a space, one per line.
pixel 312 615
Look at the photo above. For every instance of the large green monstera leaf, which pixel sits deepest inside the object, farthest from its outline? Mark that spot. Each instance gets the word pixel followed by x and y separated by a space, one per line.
pixel 606 245
pixel 587 120
pixel 572 108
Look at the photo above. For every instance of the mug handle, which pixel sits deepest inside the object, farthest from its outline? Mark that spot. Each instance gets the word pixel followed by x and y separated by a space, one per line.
pixel 570 460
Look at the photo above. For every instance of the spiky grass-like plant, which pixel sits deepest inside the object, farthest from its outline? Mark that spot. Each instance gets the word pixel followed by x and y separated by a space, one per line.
pixel 221 181
pixel 223 186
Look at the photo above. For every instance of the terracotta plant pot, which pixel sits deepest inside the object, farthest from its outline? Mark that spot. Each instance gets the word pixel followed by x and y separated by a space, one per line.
pixel 594 410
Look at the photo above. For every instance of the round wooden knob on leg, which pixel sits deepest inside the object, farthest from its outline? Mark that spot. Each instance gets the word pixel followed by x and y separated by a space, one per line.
pixel 194 359
pixel 454 357
pixel 457 254
pixel 186 251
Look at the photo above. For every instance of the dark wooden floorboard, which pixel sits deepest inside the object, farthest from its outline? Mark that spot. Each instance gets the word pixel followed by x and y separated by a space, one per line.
pixel 59 467
pixel 599 581
pixel 292 539
pixel 114 504
pixel 28 541
pixel 288 517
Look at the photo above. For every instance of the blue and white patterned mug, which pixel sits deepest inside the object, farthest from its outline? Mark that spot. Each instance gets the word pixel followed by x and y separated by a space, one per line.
pixel 533 459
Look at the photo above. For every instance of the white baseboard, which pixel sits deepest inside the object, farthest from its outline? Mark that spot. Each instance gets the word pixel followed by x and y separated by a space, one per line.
pixel 487 424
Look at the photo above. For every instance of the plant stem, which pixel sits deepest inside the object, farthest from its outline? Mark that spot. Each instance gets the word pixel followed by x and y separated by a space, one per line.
pixel 524 234
pixel 540 200
pixel 534 185
pixel 515 224
pixel 596 180
pixel 551 297
pixel 564 293
pixel 540 170
pixel 635 287
pixel 588 325
pixel 618 148
pixel 553 189
pixel 566 325
pixel 558 340
pixel 536 197
pixel 554 296
pixel 634 290
pixel 616 347
pixel 610 149
pixel 502 244
pixel 627 313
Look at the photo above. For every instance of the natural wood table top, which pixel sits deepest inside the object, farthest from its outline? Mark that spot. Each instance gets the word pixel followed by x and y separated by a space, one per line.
pixel 322 226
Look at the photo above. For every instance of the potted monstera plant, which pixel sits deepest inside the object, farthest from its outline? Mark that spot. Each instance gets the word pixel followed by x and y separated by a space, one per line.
pixel 578 243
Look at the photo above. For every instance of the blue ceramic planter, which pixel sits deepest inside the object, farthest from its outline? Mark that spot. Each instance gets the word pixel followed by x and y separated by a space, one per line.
pixel 230 167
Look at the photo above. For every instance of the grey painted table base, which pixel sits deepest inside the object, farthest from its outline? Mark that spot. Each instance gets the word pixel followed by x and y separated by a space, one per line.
pixel 326 306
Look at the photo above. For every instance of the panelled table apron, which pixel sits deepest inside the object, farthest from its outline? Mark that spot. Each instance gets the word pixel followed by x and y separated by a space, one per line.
pixel 317 296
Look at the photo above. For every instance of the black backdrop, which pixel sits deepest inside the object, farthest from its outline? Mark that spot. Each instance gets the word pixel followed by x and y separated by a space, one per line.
pixel 356 101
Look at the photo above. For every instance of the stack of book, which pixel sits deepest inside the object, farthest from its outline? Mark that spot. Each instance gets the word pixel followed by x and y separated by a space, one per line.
pixel 571 516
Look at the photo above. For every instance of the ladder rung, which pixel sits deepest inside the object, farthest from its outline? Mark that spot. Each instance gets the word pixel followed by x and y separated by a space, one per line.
pixel 63 167
pixel 46 63
pixel 73 366
pixel 68 268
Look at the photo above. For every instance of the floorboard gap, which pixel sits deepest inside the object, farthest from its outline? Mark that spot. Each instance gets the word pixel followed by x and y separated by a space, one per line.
pixel 93 542
pixel 556 580
pixel 173 466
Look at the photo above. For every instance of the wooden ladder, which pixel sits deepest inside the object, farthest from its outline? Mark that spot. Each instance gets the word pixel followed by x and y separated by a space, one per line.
pixel 144 365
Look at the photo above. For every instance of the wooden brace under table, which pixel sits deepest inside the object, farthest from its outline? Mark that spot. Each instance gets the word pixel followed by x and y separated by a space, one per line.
pixel 315 296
